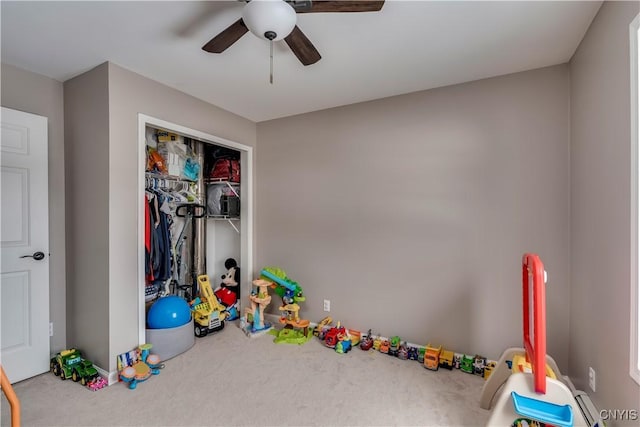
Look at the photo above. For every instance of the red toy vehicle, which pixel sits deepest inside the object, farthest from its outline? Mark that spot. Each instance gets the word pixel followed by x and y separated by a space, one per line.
pixel 334 335
pixel 367 342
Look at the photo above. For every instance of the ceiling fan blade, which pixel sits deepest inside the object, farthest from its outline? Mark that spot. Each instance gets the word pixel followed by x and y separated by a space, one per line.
pixel 227 37
pixel 302 47
pixel 318 6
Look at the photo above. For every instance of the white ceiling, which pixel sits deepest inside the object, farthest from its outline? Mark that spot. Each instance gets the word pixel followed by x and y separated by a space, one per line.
pixel 406 47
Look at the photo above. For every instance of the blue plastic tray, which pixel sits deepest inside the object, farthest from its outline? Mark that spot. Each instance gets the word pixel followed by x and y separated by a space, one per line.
pixel 549 413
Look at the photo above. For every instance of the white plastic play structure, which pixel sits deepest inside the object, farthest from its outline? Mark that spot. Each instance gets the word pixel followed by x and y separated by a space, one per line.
pixel 532 386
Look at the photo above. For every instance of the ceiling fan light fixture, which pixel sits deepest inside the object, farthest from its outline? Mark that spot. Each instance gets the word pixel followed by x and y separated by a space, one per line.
pixel 269 19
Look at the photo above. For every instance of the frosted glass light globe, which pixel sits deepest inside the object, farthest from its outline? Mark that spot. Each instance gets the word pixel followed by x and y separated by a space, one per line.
pixel 269 19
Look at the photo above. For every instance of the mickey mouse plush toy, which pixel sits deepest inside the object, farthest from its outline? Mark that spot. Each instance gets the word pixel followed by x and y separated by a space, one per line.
pixel 229 292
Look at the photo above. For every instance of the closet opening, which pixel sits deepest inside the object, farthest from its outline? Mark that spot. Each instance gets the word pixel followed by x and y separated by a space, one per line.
pixel 204 186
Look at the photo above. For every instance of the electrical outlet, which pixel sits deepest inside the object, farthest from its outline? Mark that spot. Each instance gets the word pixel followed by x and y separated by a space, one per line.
pixel 327 305
pixel 50 329
pixel 592 379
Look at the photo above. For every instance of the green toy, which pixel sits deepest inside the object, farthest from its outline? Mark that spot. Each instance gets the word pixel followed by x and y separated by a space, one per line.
pixel 70 364
pixel 287 289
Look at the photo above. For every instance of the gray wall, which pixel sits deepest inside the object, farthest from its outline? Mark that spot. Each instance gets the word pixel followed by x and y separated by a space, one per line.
pixel 25 91
pixel 86 103
pixel 600 208
pixel 411 213
pixel 128 95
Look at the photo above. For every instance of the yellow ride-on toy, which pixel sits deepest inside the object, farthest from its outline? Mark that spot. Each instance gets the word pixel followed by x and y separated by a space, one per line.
pixel 208 313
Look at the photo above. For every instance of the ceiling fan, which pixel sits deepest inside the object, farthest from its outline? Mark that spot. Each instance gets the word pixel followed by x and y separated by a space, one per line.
pixel 275 20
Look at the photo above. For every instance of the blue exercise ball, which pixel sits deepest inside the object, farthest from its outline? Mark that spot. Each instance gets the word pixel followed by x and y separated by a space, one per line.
pixel 168 312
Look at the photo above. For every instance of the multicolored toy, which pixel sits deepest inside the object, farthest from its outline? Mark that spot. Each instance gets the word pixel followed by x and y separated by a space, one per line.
pixel 394 345
pixel 138 365
pixel 333 335
pixel 254 316
pixel 322 327
pixel 287 289
pixel 295 330
pixel 367 342
pixel 532 395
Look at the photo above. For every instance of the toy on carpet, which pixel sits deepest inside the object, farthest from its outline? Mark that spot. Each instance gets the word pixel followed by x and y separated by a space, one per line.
pixel 335 334
pixel 138 365
pixel 253 321
pixel 446 359
pixel 70 364
pixel 367 342
pixel 394 345
pixel 531 395
pixel 97 383
pixel 209 315
pixel 229 292
pixel 295 330
pixel 322 327
pixel 403 352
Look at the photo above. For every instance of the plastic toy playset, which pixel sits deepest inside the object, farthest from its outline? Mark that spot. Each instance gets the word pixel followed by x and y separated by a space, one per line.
pixel 533 392
pixel 138 365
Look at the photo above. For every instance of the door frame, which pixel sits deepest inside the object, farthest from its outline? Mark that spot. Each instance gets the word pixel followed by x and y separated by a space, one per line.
pixel 246 205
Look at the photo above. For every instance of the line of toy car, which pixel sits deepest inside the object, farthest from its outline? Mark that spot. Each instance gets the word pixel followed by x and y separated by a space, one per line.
pixel 432 357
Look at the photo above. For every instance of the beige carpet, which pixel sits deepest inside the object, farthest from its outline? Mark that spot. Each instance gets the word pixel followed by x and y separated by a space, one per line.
pixel 228 379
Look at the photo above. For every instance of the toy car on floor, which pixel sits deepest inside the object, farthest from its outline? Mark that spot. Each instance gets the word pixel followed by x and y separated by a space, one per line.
pixel 432 357
pixel 446 359
pixel 97 384
pixel 466 364
pixel 70 364
pixel 367 342
pixel 334 335
pixel 394 345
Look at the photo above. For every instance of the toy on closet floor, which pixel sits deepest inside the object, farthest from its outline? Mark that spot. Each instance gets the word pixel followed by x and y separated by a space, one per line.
pixel 252 323
pixel 208 314
pixel 295 330
pixel 532 395
pixel 138 365
pixel 229 291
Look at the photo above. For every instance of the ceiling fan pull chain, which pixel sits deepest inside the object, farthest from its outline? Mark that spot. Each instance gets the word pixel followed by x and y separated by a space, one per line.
pixel 271 61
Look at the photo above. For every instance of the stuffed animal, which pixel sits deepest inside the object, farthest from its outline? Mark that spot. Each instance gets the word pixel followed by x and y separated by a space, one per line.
pixel 229 292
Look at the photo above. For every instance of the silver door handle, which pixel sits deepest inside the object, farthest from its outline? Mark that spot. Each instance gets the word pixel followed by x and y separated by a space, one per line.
pixel 38 256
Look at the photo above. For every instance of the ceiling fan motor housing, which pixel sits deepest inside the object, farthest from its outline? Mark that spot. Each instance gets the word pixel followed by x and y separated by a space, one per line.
pixel 269 19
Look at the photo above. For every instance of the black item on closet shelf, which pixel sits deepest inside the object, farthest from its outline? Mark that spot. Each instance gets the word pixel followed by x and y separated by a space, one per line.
pixel 191 212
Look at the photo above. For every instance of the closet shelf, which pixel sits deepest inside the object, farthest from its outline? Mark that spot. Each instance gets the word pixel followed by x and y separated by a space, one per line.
pixel 229 219
pixel 229 184
pixel 167 177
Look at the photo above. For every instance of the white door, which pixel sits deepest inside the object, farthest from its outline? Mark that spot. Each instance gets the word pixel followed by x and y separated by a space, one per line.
pixel 24 237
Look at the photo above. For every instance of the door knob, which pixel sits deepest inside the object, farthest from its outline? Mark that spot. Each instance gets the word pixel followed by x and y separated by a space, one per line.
pixel 36 255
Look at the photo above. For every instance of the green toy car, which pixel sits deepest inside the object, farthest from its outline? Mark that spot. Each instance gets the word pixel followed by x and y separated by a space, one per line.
pixel 70 364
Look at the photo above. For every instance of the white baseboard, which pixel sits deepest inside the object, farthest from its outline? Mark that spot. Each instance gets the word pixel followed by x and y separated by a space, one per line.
pixel 111 377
